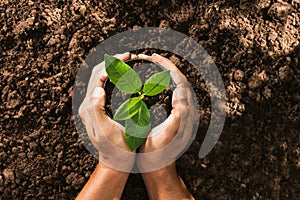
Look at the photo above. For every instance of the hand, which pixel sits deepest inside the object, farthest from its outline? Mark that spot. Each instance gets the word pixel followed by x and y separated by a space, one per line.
pixel 178 128
pixel 106 136
pixel 104 133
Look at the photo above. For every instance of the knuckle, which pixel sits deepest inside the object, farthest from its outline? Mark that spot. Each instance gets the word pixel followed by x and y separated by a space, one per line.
pixel 184 107
pixel 157 58
pixel 81 113
pixel 181 108
pixel 184 103
pixel 177 115
pixel 81 110
pixel 91 107
pixel 95 70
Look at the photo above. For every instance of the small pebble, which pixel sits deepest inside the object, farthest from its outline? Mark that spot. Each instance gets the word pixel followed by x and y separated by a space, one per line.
pixel 8 174
pixel 82 10
pixel 239 75
pixel 285 73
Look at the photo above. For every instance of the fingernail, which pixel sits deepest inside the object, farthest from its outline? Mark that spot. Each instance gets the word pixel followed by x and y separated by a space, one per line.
pixel 97 92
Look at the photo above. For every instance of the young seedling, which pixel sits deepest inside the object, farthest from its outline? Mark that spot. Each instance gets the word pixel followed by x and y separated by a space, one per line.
pixel 134 111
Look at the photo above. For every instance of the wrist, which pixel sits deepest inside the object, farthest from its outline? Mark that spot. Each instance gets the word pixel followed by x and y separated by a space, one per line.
pixel 168 173
pixel 105 183
pixel 111 172
pixel 117 159
pixel 116 179
pixel 172 187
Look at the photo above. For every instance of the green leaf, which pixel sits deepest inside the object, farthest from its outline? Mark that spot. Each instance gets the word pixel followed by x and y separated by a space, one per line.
pixel 157 83
pixel 142 116
pixel 115 68
pixel 129 83
pixel 134 142
pixel 128 109
pixel 138 127
pixel 122 75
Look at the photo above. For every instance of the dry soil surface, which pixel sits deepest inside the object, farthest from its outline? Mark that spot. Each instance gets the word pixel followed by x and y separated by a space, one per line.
pixel 255 45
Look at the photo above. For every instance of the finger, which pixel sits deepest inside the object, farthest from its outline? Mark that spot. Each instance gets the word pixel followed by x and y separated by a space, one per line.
pixel 90 130
pixel 175 73
pixel 124 57
pixel 178 126
pixel 97 102
pixel 171 124
pixel 140 56
pixel 99 70
pixel 81 112
pixel 192 101
pixel 184 102
pixel 166 63
pixel 180 98
pixel 179 112
pixel 102 81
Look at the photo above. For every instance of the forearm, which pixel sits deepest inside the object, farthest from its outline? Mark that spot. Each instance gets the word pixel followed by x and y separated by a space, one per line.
pixel 105 184
pixel 166 184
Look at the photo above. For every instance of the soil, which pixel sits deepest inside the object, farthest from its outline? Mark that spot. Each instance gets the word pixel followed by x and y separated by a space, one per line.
pixel 255 45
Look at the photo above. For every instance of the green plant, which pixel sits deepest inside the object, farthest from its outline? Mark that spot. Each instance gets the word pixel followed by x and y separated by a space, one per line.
pixel 134 110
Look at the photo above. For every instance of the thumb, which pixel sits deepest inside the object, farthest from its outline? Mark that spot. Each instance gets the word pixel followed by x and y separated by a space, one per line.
pixel 98 100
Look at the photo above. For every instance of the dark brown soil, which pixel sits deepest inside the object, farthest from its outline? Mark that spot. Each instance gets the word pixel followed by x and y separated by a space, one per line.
pixel 255 45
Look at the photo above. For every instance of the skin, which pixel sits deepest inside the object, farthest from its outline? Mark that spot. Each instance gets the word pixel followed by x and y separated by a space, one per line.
pixel 105 183
pixel 172 186
pixel 108 183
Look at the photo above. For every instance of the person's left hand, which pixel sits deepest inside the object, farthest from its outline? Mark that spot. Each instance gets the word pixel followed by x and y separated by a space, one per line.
pixel 178 128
